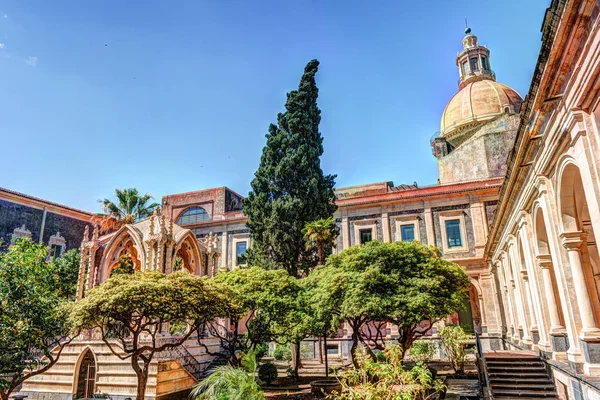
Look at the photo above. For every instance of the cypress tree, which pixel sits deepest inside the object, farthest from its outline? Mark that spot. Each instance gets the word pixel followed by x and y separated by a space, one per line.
pixel 289 188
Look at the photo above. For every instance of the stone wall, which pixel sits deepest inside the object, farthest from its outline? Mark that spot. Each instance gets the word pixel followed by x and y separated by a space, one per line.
pixel 13 215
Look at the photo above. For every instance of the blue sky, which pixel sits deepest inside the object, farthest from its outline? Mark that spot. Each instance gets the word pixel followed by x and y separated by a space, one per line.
pixel 174 96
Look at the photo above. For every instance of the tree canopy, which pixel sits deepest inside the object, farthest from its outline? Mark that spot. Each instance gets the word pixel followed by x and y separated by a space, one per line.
pixel 405 283
pixel 130 206
pixel 289 188
pixel 259 304
pixel 131 309
pixel 34 324
pixel 67 273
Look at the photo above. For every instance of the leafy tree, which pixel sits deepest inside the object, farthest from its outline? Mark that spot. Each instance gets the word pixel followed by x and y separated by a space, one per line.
pixel 289 189
pixel 130 311
pixel 405 283
pixel 259 302
pixel 124 266
pixel 422 287
pixel 130 207
pixel 67 273
pixel 321 234
pixel 34 328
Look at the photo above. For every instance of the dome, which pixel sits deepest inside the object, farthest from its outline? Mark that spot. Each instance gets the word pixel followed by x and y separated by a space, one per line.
pixel 477 102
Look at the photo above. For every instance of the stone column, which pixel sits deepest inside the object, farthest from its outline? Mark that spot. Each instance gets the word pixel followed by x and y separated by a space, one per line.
pixel 520 301
pixel 545 263
pixel 508 293
pixel 385 226
pixel 479 226
pixel 572 241
pixel 345 232
pixel 429 227
pixel 534 324
pixel 224 240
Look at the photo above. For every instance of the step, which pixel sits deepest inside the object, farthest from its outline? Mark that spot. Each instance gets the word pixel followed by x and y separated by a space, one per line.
pixel 517 394
pixel 522 398
pixel 543 387
pixel 521 381
pixel 540 370
pixel 518 375
pixel 519 363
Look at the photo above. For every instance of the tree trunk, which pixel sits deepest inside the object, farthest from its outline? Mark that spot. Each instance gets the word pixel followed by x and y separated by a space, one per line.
pixel 320 350
pixel 368 349
pixel 324 351
pixel 354 348
pixel 142 377
pixel 296 362
pixel 321 251
pixel 4 395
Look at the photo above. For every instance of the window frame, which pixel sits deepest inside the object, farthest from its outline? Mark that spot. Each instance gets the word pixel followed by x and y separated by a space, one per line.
pixel 245 238
pixel 407 220
pixel 362 224
pixel 449 216
pixel 181 214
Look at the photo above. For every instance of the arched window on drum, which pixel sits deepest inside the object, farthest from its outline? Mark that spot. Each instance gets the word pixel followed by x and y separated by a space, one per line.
pixel 192 215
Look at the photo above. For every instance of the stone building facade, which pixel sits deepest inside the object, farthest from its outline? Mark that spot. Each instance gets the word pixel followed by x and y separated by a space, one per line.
pixel 543 247
pixel 517 204
pixel 87 367
pixel 478 128
pixel 57 226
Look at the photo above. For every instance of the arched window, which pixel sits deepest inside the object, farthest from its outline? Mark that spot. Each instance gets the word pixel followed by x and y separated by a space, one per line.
pixel 192 215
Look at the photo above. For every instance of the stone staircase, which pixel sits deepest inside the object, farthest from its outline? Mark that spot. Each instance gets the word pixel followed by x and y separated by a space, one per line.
pixel 518 375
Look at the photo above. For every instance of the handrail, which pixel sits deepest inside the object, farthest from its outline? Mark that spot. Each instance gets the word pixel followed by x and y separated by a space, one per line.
pixel 481 365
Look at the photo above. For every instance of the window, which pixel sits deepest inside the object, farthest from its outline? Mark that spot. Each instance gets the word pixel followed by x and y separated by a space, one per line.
pixel 484 63
pixel 474 64
pixel 407 232
pixel 333 349
pixel 192 215
pixel 55 250
pixel 453 233
pixel 240 252
pixel 366 235
pixel 465 69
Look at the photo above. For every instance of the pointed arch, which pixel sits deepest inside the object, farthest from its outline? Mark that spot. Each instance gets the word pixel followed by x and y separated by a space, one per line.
pixel 125 240
pixel 84 383
pixel 188 249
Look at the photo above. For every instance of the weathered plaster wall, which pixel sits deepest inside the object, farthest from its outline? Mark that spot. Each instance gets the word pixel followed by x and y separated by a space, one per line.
pixel 483 155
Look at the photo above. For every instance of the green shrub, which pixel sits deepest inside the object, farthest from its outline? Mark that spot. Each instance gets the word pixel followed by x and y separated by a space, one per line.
pixel 261 350
pixel 267 373
pixel 282 353
pixel 454 341
pixel 421 351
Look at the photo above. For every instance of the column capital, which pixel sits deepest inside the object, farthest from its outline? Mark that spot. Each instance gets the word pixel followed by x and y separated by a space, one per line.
pixel 522 221
pixel 573 240
pixel 524 275
pixel 544 261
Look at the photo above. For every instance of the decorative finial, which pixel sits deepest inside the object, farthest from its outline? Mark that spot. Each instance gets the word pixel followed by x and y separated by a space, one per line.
pixel 467 29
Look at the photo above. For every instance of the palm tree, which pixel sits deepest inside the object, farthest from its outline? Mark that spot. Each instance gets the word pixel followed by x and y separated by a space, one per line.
pixel 321 234
pixel 231 383
pixel 129 208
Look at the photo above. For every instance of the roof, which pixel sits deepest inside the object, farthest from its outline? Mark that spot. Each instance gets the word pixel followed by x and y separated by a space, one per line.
pixel 476 103
pixel 425 191
pixel 36 202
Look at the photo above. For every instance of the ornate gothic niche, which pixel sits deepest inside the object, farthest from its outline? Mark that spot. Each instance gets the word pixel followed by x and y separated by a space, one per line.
pixel 124 246
pixel 188 252
pixel 21 232
pixel 57 245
